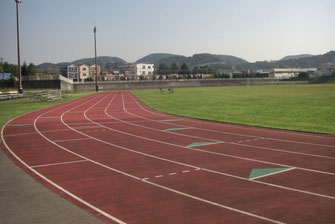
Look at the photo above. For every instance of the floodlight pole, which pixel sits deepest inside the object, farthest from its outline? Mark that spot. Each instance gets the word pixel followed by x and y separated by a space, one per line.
pixel 96 64
pixel 18 46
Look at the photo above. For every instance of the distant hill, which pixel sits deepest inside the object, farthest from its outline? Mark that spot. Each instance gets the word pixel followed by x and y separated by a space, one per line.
pixel 294 57
pixel 106 61
pixel 216 61
pixel 195 60
pixel 155 58
pixel 102 61
pixel 315 61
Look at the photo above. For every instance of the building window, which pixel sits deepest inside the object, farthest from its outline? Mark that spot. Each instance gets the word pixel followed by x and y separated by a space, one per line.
pixel 84 69
pixel 149 67
pixel 143 67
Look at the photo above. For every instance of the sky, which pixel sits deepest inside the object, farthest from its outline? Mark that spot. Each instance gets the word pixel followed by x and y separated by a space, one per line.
pixel 255 30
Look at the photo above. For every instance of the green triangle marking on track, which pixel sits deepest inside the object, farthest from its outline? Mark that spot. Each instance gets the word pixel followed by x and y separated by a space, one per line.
pixel 201 143
pixel 257 173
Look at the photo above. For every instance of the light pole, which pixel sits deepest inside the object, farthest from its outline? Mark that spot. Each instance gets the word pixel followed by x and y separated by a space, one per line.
pixel 18 45
pixel 96 64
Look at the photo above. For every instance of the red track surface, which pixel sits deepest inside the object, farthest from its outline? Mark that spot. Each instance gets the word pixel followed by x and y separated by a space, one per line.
pixel 121 161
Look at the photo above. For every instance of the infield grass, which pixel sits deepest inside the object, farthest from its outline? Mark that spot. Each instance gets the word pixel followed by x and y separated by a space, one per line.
pixel 309 108
pixel 13 108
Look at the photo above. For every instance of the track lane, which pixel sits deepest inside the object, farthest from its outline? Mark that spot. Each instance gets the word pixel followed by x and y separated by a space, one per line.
pixel 208 202
pixel 103 119
pixel 151 145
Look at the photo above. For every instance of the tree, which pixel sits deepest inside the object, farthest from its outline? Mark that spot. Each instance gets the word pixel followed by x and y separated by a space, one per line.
pixel 31 69
pixel 203 69
pixel 184 69
pixel 174 68
pixel 303 76
pixel 45 71
pixel 195 70
pixel 163 69
pixel 24 69
pixel 9 68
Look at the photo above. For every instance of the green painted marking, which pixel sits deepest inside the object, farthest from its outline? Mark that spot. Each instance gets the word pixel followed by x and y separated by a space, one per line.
pixel 175 129
pixel 256 173
pixel 201 143
pixel 18 125
pixel 170 120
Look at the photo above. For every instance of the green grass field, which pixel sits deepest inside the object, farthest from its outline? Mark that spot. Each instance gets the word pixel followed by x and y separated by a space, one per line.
pixel 309 108
pixel 14 108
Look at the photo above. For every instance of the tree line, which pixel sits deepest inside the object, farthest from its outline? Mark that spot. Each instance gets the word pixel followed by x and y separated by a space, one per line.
pixel 184 69
pixel 26 70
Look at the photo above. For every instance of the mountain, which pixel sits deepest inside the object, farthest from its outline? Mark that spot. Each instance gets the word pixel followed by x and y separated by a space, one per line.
pixel 195 60
pixel 293 57
pixel 315 61
pixel 155 58
pixel 51 66
pixel 106 61
pixel 216 61
pixel 102 61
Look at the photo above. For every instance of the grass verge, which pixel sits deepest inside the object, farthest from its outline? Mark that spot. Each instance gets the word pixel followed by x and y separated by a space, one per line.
pixel 308 108
pixel 14 108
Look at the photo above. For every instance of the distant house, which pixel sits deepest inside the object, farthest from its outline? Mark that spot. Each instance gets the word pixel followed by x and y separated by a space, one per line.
pixel 144 69
pixel 286 73
pixel 72 72
pixel 5 76
pixel 136 70
pixel 84 72
pixel 92 72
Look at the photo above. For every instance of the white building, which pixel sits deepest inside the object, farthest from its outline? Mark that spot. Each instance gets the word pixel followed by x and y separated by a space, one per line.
pixel 84 72
pixel 72 72
pixel 286 73
pixel 135 70
pixel 144 69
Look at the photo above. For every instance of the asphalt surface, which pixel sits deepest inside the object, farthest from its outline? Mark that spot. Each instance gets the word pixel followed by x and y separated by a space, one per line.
pixel 24 200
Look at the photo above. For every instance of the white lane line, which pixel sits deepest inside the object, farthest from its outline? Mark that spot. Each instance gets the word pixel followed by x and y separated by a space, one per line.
pixel 226 174
pixel 198 168
pixel 44 177
pixel 227 125
pixel 185 171
pixel 171 174
pixel 282 171
pixel 218 141
pixel 200 150
pixel 213 203
pixel 57 164
pixel 143 180
pixel 70 140
pixel 233 133
pixel 158 176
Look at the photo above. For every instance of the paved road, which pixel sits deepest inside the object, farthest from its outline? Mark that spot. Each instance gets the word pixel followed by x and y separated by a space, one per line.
pixel 24 200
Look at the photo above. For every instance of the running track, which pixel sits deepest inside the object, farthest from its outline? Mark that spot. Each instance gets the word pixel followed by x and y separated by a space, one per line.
pixel 126 163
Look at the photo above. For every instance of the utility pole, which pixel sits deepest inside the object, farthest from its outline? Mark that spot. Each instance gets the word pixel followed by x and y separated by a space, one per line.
pixel 96 63
pixel 18 46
